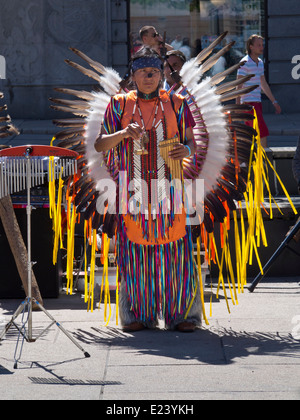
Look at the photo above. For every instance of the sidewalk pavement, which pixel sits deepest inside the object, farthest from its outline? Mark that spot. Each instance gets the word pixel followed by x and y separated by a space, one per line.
pixel 251 354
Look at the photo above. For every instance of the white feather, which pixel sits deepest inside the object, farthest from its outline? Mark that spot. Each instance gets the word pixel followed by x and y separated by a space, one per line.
pixel 98 170
pixel 190 73
pixel 110 81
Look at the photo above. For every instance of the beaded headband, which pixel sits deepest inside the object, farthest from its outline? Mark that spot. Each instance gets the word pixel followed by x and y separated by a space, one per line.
pixel 143 62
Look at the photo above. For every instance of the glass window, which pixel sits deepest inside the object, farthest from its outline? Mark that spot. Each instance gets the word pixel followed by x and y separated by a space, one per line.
pixel 190 25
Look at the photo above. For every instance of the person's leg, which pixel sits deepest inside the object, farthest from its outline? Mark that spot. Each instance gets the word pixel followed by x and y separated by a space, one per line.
pixel 264 142
pixel 192 321
pixel 127 316
pixel 263 128
pixel 129 321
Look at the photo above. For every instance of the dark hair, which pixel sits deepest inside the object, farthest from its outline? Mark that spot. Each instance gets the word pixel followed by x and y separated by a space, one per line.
pixel 176 53
pixel 144 30
pixel 145 51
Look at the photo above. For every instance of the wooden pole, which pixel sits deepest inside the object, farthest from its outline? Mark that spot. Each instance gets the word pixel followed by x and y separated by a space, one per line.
pixel 17 245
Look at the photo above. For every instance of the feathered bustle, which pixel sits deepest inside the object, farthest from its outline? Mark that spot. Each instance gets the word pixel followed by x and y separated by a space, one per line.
pixel 223 142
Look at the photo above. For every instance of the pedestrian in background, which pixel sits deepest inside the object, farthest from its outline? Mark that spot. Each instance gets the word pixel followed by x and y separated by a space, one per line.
pixel 151 38
pixel 175 59
pixel 254 65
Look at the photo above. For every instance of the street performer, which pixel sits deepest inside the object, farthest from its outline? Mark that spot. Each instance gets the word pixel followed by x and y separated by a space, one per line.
pixel 153 164
pixel 155 250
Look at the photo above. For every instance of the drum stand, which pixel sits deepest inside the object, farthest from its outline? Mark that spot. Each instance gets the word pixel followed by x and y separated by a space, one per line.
pixel 27 304
pixel 285 245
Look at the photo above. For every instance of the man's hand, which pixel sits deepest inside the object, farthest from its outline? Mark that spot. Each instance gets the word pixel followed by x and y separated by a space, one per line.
pixel 133 130
pixel 179 152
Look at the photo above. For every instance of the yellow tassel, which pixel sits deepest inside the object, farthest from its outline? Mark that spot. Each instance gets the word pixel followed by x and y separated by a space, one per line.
pixel 92 272
pixel 200 284
pixel 51 143
pixel 70 251
pixel 51 188
pixel 229 268
pixel 238 254
pixel 58 227
pixel 210 303
pixel 105 281
pixel 191 303
pixel 231 278
pixel 257 256
pixel 282 186
pixel 105 269
pixel 117 296
pixel 85 262
pixel 201 281
pixel 243 251
pixel 221 278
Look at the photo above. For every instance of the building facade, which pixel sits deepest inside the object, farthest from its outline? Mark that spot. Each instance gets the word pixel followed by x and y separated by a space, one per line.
pixel 283 52
pixel 35 37
pixel 197 22
pixel 192 25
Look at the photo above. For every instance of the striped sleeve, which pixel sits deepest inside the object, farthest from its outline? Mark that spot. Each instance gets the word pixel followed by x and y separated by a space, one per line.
pixel 185 120
pixel 112 116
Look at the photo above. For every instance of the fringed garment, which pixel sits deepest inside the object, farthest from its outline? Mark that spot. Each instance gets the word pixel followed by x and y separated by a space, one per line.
pixel 154 245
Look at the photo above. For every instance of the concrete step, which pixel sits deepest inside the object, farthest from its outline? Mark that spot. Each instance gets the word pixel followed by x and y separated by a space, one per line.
pixel 282 141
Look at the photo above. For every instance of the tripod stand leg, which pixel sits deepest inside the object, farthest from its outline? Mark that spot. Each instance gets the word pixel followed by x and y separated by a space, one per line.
pixel 266 268
pixel 11 322
pixel 86 354
pixel 279 250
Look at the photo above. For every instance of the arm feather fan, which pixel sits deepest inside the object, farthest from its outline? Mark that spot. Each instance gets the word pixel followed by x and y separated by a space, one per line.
pixel 219 133
pixel 81 133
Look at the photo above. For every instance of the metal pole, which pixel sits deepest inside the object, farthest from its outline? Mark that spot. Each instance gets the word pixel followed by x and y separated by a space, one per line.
pixel 29 264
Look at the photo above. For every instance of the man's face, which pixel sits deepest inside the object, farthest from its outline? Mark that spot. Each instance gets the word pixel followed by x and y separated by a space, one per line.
pixel 258 46
pixel 147 79
pixel 176 63
pixel 152 39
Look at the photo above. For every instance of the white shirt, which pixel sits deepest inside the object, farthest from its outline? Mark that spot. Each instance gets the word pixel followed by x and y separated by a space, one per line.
pixel 186 51
pixel 252 68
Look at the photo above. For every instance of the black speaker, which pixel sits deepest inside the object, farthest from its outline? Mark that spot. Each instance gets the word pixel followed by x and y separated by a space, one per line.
pixel 286 265
pixel 47 275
